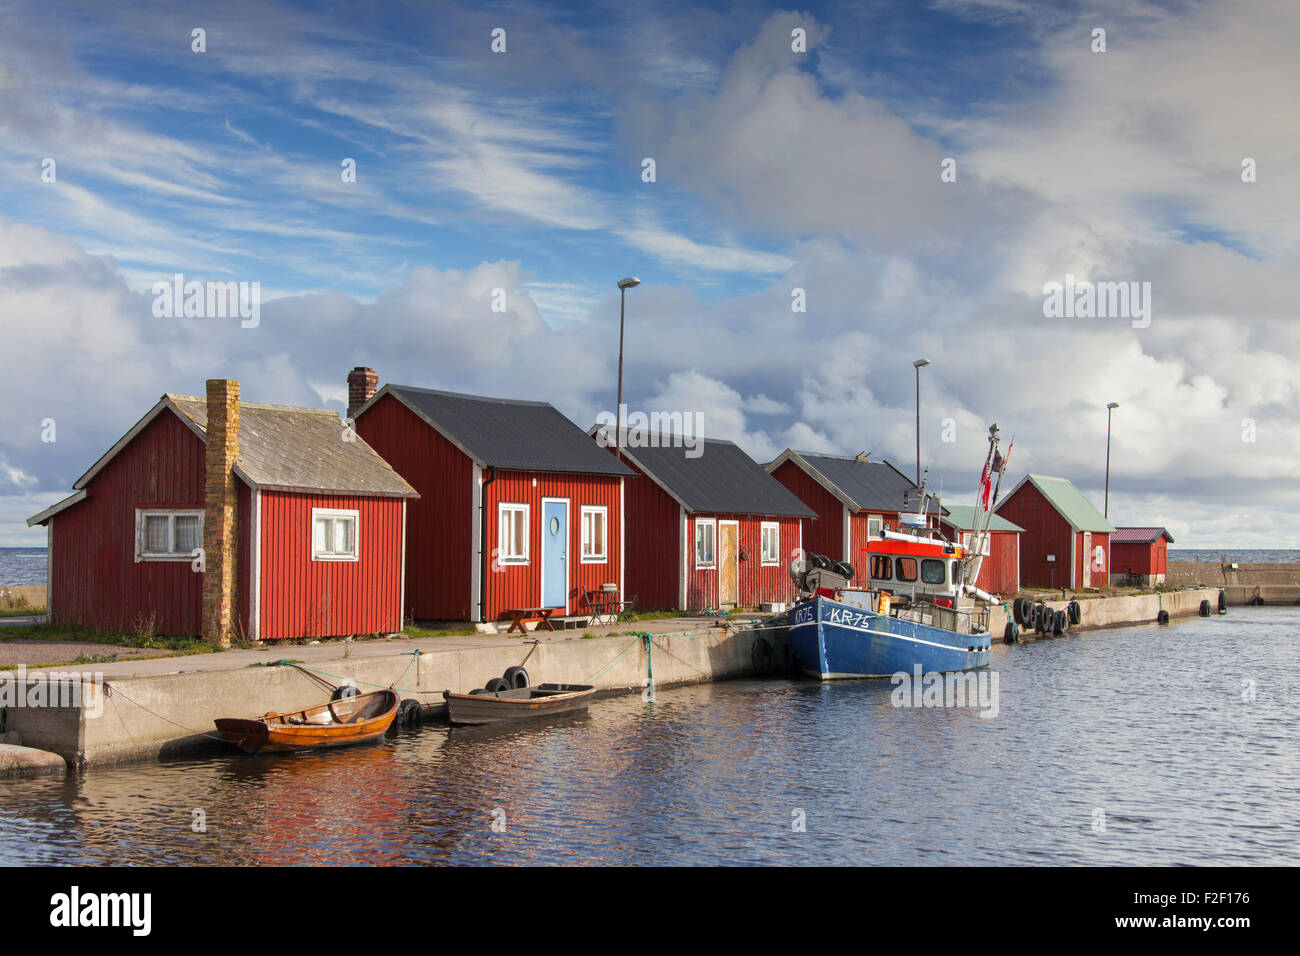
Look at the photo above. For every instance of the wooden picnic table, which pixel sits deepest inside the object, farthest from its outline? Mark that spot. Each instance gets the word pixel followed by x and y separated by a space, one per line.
pixel 519 616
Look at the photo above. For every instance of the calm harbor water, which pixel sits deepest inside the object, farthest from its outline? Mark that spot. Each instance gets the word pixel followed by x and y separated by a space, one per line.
pixel 1149 725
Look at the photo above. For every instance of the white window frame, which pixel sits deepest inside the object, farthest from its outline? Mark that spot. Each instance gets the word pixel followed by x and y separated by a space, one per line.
pixel 879 522
pixel 712 525
pixel 171 514
pixel 351 514
pixel 603 556
pixel 763 529
pixel 512 507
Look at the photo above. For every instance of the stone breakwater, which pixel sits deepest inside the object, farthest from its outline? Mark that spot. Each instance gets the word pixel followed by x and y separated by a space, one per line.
pixel 1244 583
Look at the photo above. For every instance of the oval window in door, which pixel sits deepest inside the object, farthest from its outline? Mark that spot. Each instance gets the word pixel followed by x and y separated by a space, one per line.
pixel 555 525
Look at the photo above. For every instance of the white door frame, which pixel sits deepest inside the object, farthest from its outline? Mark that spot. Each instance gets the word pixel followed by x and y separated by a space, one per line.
pixel 717 556
pixel 541 584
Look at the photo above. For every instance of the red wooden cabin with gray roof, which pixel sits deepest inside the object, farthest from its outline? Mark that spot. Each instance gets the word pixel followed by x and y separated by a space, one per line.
pixel 854 500
pixel 1139 556
pixel 707 527
pixel 299 522
pixel 515 474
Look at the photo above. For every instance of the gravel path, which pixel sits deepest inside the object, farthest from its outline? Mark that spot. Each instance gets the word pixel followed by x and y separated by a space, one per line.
pixel 44 653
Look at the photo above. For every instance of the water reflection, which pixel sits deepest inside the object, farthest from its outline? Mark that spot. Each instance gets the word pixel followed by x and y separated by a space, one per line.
pixel 1148 725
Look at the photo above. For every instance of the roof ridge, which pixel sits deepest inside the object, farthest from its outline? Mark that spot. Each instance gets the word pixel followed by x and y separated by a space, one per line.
pixel 393 386
pixel 176 396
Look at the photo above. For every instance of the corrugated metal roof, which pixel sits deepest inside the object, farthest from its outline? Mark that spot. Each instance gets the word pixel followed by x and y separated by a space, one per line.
pixel 301 449
pixel 722 479
pixel 507 433
pixel 962 517
pixel 1071 503
pixel 870 485
pixel 1138 535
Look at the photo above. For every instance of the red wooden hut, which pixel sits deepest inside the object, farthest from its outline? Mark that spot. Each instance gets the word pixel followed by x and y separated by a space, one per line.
pixel 227 518
pixel 517 475
pixel 1060 524
pixel 853 499
pixel 1000 569
pixel 707 527
pixel 1139 556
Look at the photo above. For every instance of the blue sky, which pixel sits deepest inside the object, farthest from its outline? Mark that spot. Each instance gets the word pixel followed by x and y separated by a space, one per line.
pixel 776 170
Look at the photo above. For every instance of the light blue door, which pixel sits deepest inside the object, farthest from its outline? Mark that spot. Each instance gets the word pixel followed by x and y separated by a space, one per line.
pixel 555 553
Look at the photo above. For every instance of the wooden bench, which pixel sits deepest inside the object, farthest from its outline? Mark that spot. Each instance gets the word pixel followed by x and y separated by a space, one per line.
pixel 521 616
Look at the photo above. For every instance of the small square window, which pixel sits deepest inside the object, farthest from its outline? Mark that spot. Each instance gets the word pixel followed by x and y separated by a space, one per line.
pixel 334 534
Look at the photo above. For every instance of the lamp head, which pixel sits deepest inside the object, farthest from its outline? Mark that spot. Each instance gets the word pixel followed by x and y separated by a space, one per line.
pixel 629 282
pixel 920 363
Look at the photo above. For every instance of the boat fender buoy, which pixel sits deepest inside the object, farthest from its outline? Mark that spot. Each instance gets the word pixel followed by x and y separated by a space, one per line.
pixel 496 685
pixel 516 677
pixel 410 713
pixel 1020 611
pixel 1042 618
pixel 1205 609
pixel 1075 612
pixel 1162 617
pixel 1059 623
pixel 1011 633
pixel 843 569
pixel 1223 602
pixel 761 653
pixel 345 692
pixel 821 562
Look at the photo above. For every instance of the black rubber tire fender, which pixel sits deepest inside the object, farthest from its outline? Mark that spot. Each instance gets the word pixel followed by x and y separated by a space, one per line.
pixel 516 677
pixel 1205 609
pixel 820 561
pixel 1011 633
pixel 496 685
pixel 1020 612
pixel 1223 602
pixel 761 655
pixel 1075 611
pixel 478 692
pixel 410 713
pixel 844 569
pixel 1059 623
pixel 345 692
pixel 1162 617
pixel 1042 618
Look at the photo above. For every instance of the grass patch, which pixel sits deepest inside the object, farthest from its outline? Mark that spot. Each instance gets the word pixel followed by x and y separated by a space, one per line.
pixel 412 630
pixel 140 638
pixel 21 611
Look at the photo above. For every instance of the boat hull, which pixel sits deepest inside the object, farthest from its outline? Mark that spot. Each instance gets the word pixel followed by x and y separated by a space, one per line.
pixel 317 727
pixel 526 703
pixel 835 641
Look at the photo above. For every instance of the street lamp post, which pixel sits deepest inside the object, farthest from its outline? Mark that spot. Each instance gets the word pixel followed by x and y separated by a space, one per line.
pixel 918 365
pixel 623 285
pixel 1106 507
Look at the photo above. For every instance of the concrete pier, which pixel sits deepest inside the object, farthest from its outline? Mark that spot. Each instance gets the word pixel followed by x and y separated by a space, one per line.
pixel 165 707
pixel 1244 583
pixel 1101 612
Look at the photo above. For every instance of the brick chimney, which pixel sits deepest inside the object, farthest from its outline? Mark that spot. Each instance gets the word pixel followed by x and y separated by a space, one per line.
pixel 220 501
pixel 362 383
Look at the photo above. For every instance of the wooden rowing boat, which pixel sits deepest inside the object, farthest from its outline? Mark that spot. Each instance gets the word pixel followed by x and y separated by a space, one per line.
pixel 544 700
pixel 352 720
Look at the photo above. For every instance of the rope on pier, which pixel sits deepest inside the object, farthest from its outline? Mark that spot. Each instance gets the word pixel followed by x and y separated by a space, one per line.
pixel 201 733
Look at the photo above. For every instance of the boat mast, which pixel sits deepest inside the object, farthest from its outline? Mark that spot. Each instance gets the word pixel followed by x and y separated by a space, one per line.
pixel 984 516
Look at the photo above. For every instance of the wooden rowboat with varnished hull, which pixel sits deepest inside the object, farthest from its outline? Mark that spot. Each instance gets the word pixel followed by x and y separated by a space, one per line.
pixel 544 700
pixel 353 720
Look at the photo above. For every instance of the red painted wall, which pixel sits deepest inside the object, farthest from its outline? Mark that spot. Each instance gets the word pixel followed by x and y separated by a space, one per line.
pixel 756 583
pixel 1046 532
pixel 1000 569
pixel 305 598
pixel 654 545
pixel 520 585
pixel 96 581
pixel 1139 558
pixel 825 533
pixel 440 524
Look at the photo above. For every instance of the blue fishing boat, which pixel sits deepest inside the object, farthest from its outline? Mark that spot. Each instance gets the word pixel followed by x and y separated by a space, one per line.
pixel 919 610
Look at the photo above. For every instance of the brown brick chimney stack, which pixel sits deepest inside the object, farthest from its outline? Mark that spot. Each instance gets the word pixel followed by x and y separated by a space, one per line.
pixel 220 500
pixel 362 383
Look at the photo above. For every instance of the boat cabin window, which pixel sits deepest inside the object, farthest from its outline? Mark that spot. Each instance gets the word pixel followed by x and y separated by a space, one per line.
pixel 932 571
pixel 882 567
pixel 906 569
pixel 956 572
